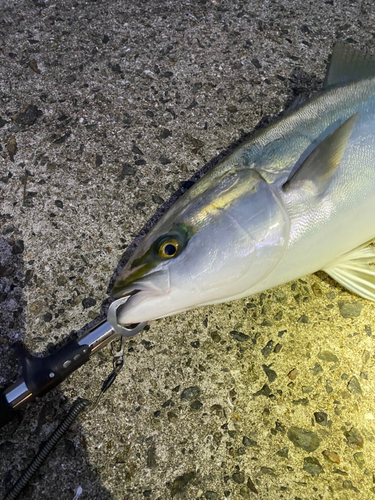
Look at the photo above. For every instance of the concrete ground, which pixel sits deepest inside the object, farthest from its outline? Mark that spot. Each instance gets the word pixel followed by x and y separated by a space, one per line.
pixel 107 109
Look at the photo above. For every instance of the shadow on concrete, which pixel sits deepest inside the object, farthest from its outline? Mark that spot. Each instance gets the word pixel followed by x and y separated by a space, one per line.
pixel 21 438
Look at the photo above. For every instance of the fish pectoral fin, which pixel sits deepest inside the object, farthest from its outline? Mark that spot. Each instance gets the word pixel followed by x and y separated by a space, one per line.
pixel 356 271
pixel 348 65
pixel 321 164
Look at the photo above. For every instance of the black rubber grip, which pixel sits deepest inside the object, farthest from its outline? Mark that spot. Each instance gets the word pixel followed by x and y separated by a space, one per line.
pixel 43 374
pixel 7 414
pixel 40 375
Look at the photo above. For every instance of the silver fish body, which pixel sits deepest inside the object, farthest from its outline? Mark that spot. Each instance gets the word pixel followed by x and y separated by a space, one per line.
pixel 297 197
pixel 323 227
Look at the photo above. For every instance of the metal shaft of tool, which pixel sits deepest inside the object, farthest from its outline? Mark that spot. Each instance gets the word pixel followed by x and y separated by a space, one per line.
pixel 19 393
pixel 40 375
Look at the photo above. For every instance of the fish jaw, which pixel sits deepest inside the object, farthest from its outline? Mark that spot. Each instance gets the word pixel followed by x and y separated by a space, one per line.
pixel 150 288
pixel 144 307
pixel 148 302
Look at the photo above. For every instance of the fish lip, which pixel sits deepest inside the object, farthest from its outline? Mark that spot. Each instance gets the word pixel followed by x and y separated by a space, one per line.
pixel 123 287
pixel 150 286
pixel 131 289
pixel 155 283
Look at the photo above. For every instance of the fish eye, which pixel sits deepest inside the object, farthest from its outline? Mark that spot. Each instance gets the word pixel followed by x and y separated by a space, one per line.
pixel 168 249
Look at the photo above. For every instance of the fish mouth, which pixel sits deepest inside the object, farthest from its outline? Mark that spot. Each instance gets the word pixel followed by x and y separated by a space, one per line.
pixel 127 281
pixel 152 285
pixel 156 283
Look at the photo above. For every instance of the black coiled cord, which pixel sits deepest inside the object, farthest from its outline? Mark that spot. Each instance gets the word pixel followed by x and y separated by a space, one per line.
pixel 78 406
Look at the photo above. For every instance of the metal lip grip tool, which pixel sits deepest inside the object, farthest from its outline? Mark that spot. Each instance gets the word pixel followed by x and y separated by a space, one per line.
pixel 41 374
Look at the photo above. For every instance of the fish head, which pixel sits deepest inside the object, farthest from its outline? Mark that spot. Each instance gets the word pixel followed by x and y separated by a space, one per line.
pixel 218 241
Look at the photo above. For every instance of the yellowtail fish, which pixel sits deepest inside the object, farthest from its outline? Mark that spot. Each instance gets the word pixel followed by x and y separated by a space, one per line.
pixel 295 198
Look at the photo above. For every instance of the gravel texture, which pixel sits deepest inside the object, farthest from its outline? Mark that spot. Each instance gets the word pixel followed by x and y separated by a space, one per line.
pixel 107 111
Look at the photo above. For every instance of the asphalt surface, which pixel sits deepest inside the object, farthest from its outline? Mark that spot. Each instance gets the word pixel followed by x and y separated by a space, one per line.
pixel 107 111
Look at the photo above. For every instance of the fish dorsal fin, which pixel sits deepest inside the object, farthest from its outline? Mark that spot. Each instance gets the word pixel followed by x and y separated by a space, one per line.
pixel 348 65
pixel 321 164
pixel 356 271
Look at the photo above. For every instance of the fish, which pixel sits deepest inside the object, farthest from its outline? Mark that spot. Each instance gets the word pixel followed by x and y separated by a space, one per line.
pixel 295 198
